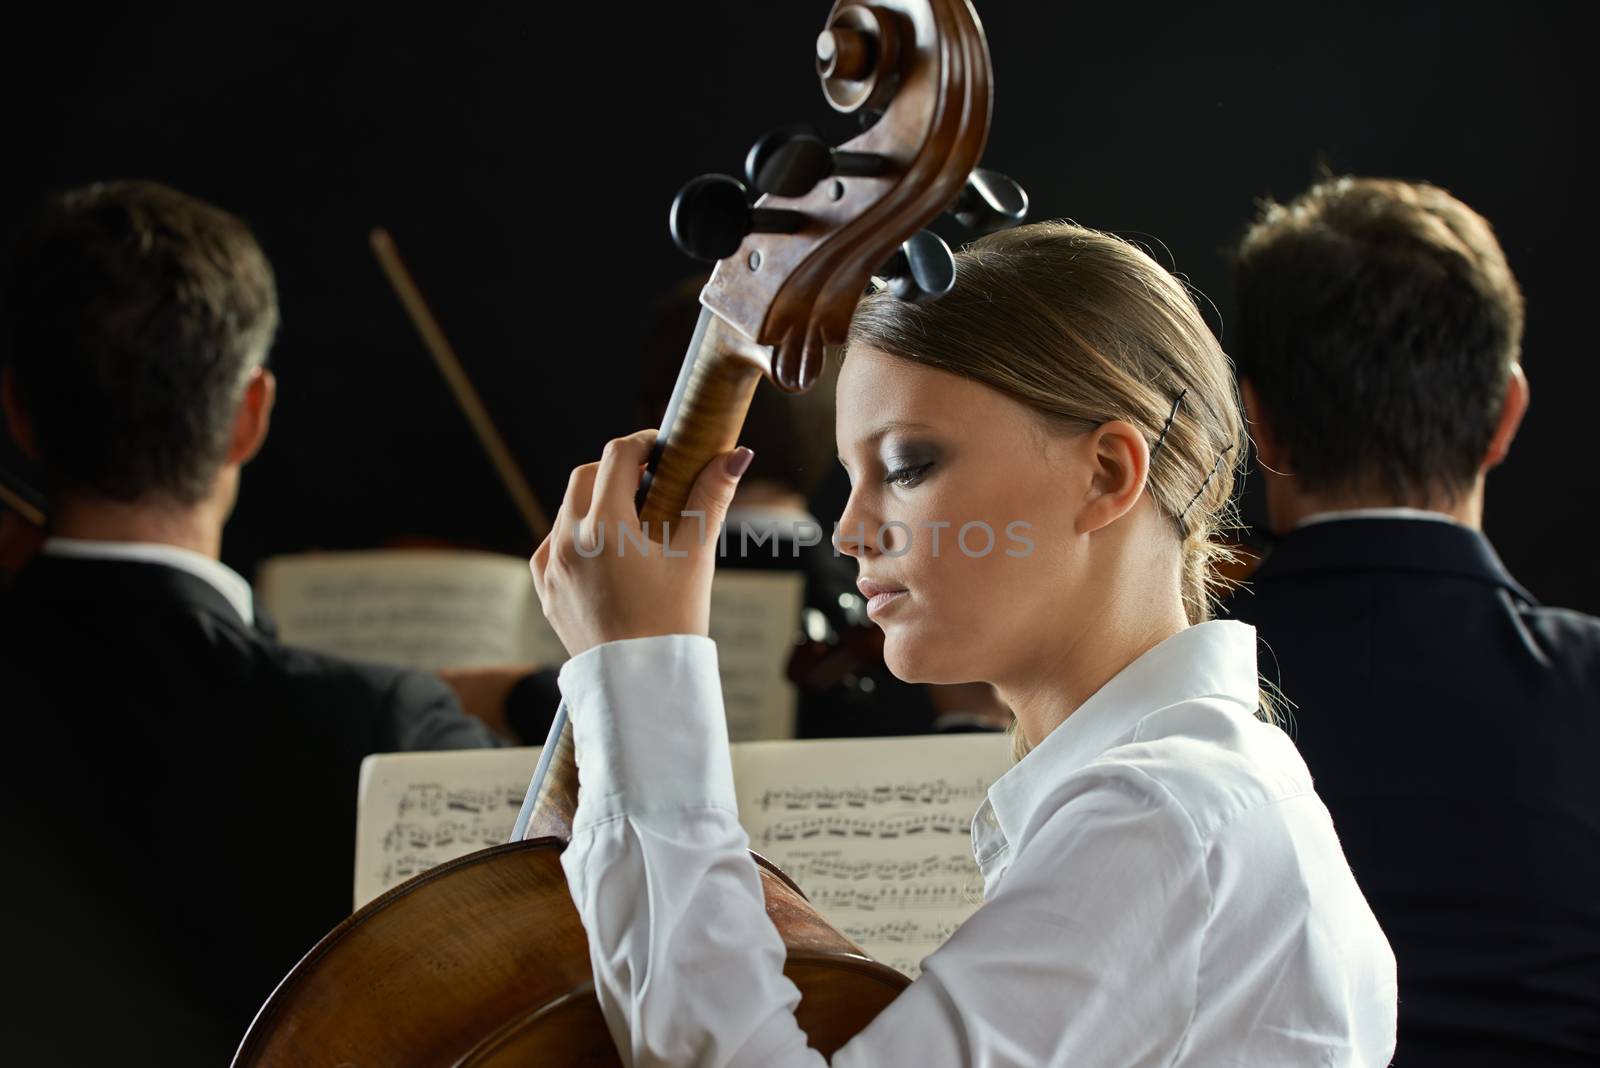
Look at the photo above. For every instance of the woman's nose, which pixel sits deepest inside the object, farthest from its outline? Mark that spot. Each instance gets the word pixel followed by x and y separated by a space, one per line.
pixel 854 534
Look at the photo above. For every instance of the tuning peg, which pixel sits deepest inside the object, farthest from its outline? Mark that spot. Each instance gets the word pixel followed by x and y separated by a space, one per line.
pixel 790 162
pixel 922 271
pixel 711 216
pixel 990 201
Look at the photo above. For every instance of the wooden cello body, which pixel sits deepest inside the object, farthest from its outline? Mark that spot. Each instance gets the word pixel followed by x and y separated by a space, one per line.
pixel 483 961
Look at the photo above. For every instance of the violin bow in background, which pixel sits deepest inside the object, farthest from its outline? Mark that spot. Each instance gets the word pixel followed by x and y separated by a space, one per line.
pixel 22 530
pixel 21 498
pixel 405 287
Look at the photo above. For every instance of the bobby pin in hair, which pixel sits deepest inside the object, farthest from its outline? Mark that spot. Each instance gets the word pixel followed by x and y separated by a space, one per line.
pixel 1167 425
pixel 1183 525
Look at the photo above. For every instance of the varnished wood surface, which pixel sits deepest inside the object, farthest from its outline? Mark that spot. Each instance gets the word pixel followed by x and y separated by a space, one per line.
pixel 800 290
pixel 483 961
pixel 705 421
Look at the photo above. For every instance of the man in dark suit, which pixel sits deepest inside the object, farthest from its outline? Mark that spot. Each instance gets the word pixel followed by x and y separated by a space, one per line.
pixel 182 787
pixel 1452 724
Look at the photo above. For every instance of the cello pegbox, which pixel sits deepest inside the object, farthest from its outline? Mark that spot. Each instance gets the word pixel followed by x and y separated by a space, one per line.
pixel 790 162
pixel 924 65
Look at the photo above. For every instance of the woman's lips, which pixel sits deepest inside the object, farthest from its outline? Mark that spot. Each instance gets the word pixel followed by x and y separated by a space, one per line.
pixel 879 595
pixel 878 602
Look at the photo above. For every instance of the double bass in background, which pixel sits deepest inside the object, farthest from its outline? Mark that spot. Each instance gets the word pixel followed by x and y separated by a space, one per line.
pixel 484 961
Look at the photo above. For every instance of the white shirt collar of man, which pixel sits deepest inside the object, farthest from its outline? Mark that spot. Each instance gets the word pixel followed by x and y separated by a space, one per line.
pixel 1210 660
pixel 222 578
pixel 1376 513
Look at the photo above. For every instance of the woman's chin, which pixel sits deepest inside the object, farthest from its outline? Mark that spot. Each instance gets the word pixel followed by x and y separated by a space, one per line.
pixel 913 658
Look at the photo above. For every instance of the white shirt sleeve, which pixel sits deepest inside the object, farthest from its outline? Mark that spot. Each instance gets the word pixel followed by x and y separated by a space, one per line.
pixel 1087 954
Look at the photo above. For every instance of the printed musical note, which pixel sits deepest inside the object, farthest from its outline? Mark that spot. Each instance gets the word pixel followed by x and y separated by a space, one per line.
pixel 932 824
pixel 901 933
pixel 823 798
pixel 895 898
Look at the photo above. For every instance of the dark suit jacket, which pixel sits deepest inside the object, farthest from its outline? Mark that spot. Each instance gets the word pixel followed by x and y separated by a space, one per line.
pixel 1452 726
pixel 184 792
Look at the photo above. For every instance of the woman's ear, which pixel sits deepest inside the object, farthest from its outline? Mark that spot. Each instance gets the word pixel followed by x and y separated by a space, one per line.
pixel 1120 459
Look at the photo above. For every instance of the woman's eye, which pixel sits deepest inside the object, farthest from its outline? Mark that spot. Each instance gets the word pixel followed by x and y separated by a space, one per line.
pixel 905 477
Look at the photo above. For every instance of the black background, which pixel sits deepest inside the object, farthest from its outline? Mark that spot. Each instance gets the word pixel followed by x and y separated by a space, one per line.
pixel 524 156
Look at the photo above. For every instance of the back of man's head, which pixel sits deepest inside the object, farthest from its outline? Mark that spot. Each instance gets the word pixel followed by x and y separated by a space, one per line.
pixel 138 315
pixel 1378 323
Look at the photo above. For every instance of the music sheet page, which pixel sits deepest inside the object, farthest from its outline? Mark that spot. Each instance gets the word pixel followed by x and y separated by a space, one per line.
pixel 420 609
pixel 877 832
pixel 754 617
pixel 429 610
pixel 418 810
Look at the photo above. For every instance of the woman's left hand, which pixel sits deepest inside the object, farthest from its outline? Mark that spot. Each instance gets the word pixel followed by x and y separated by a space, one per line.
pixel 601 579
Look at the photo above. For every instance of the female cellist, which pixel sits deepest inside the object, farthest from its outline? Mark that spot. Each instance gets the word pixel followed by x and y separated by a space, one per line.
pixel 1163 885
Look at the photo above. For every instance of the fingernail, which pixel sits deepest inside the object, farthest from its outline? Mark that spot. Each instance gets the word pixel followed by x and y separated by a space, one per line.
pixel 739 461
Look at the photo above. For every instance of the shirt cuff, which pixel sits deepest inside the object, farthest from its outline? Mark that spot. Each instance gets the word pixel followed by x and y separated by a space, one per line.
pixel 649 728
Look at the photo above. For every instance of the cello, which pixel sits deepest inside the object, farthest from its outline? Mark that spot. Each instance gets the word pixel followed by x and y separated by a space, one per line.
pixel 483 961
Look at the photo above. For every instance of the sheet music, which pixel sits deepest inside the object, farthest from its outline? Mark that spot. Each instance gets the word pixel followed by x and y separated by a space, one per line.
pixel 451 609
pixel 877 832
pixel 419 609
pixel 754 617
pixel 418 810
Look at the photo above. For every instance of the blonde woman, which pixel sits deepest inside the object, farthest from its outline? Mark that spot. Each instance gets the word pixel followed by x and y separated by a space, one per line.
pixel 1162 884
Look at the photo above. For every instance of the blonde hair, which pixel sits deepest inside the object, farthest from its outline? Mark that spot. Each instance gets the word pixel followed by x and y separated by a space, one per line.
pixel 1085 328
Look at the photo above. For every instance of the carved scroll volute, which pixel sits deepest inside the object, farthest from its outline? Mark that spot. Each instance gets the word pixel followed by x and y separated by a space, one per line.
pixel 796 292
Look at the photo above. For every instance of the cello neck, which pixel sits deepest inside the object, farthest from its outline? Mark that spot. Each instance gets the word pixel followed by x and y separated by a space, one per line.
pixel 719 376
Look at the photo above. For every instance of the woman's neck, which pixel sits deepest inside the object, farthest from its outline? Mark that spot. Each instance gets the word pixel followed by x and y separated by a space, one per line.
pixel 1123 614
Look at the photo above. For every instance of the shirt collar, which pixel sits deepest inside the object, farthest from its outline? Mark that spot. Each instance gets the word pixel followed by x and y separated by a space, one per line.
pixel 1208 660
pixel 215 573
pixel 1377 513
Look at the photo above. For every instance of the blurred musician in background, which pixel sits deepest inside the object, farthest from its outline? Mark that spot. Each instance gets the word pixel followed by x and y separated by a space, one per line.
pixel 1452 724
pixel 185 784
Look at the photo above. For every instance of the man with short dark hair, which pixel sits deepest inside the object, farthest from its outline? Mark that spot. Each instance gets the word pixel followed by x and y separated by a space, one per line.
pixel 1452 724
pixel 183 786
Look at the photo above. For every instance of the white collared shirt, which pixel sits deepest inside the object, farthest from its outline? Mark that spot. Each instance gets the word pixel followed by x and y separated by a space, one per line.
pixel 1162 886
pixel 1377 513
pixel 222 578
